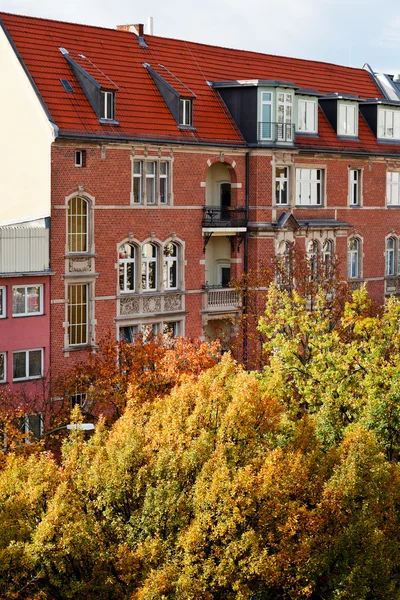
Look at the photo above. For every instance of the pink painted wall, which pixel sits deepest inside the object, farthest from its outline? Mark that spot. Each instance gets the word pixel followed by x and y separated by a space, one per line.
pixel 25 332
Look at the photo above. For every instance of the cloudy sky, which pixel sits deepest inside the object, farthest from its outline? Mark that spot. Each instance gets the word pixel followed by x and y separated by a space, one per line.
pixel 350 32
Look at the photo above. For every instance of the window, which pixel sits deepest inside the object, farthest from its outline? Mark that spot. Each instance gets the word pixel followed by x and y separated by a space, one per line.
pixel 27 300
pixel 392 188
pixel 78 399
pixel 265 132
pixel 390 256
pixel 282 185
pixel 354 258
pixel 3 367
pixel 149 267
pixel 355 187
pixel 185 112
pixel 309 187
pixel 327 257
pixel 127 333
pixel 150 182
pixel 107 105
pixel 126 257
pixel 31 426
pixel 163 182
pixel 171 328
pixel 285 108
pixel 284 265
pixel 348 119
pixel 307 111
pixel 388 123
pixel 80 158
pixel 77 218
pixel 313 257
pixel 170 266
pixel 3 296
pixel 28 364
pixel 224 275
pixel 78 314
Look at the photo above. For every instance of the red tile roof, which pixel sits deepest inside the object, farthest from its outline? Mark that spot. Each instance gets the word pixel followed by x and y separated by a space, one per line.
pixel 115 59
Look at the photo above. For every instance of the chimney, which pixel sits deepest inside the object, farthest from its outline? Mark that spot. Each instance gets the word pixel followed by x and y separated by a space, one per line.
pixel 150 26
pixel 138 29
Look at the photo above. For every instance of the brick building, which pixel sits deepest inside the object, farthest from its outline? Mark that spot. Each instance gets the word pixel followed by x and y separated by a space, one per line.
pixel 176 166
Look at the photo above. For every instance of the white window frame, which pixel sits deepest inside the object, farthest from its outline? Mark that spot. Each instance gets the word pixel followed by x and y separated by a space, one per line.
pixel 269 102
pixel 26 427
pixel 124 262
pixel 169 263
pixel 185 112
pixel 390 257
pixel 354 258
pixel 79 158
pixel 392 188
pixel 175 328
pixel 327 256
pixel 142 176
pixel 313 254
pixel 344 124
pixel 355 187
pixel 307 178
pixel 27 376
pixel 164 177
pixel 278 182
pixel 221 266
pixel 284 118
pixel 108 102
pixel 3 378
pixel 145 262
pixel 388 123
pixel 308 109
pixel 84 326
pixel 150 177
pixel 26 313
pixel 3 303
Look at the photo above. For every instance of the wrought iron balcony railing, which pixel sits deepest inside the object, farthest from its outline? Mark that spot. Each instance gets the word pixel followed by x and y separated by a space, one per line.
pixel 276 132
pixel 224 217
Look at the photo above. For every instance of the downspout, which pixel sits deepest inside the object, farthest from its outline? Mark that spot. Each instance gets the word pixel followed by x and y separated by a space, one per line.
pixel 246 263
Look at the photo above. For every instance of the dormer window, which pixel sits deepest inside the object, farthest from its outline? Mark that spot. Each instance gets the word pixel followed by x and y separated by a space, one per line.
pixel 185 112
pixel 107 105
pixel 347 119
pixel 389 123
pixel 307 115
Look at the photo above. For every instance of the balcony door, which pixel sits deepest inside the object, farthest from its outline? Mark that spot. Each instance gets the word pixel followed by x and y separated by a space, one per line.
pixel 285 116
pixel 265 132
pixel 225 199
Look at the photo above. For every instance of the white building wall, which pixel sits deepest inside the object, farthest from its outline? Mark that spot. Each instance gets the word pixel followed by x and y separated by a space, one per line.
pixel 25 144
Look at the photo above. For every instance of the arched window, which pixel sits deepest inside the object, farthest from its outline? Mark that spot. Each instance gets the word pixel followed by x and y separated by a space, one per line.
pixel 327 256
pixel 313 254
pixel 149 267
pixel 170 267
pixel 126 258
pixel 390 256
pixel 77 219
pixel 354 258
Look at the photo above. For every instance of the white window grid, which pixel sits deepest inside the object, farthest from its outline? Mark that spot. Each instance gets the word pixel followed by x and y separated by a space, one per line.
pixel 26 358
pixel 3 367
pixel 355 187
pixel 171 266
pixel 348 121
pixel 388 123
pixel 354 258
pixel 3 302
pixel 309 187
pixel 127 271
pixel 27 300
pixel 78 325
pixel 307 115
pixel 149 267
pixel 390 256
pixel 393 188
pixel 185 112
pixel 164 168
pixel 150 182
pixel 77 217
pixel 282 186
pixel 108 101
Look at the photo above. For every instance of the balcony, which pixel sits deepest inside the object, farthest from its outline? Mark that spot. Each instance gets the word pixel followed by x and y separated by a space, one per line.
pixel 227 218
pixel 221 299
pixel 276 133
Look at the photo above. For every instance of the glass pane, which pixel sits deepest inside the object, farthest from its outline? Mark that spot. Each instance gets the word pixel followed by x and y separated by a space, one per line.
pixel 35 363
pixel 137 190
pixel 2 367
pixel 163 191
pixel 152 275
pixel 19 365
pixel 130 276
pixel 137 167
pixel 150 190
pixel 33 300
pixel 173 275
pixel 18 300
pixel 170 250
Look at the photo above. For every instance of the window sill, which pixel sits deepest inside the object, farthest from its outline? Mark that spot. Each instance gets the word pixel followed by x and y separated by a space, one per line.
pixel 108 122
pixel 19 380
pixel 82 347
pixel 80 255
pixel 309 206
pixel 187 127
pixel 19 315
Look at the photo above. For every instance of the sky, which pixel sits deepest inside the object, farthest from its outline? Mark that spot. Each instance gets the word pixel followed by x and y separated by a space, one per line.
pixel 348 32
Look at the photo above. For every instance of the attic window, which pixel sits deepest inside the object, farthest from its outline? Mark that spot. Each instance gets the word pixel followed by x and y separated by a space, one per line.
pixel 107 105
pixel 185 112
pixel 66 85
